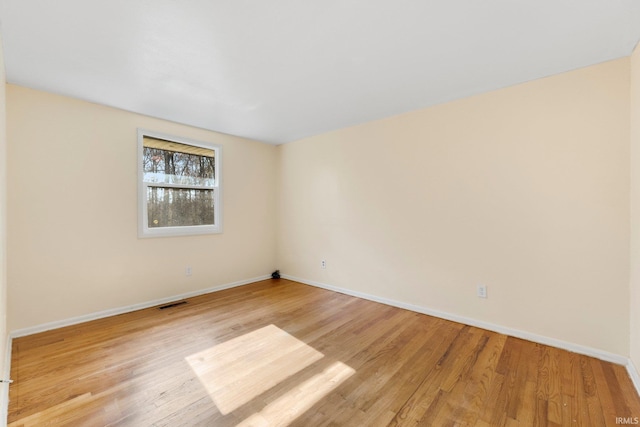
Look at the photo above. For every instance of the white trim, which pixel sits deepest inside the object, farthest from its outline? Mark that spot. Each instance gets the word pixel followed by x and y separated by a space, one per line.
pixel 121 310
pixel 4 393
pixel 633 374
pixel 188 187
pixel 576 348
pixel 144 231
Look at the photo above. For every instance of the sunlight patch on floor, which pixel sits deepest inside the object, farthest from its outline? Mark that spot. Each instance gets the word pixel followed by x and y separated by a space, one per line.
pixel 238 370
pixel 286 408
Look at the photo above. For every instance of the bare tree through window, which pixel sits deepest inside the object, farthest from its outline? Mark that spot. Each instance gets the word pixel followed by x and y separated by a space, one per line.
pixel 179 183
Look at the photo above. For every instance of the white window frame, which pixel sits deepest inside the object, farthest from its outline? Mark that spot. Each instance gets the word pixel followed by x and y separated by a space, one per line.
pixel 144 230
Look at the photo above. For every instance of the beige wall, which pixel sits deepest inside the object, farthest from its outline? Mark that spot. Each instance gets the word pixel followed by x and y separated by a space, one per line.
pixel 635 208
pixel 72 213
pixel 524 189
pixel 3 214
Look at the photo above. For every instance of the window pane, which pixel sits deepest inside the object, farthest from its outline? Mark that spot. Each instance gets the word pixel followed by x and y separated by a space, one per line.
pixel 174 163
pixel 178 186
pixel 175 207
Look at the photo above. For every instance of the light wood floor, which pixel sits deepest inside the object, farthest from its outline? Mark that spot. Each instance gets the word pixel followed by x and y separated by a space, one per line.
pixel 282 353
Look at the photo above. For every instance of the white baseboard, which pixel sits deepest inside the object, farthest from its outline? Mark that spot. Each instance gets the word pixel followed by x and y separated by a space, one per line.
pixel 121 310
pixel 633 373
pixel 575 348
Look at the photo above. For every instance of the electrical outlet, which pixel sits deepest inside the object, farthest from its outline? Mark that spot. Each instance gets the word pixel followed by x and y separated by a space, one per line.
pixel 482 291
pixel 323 264
pixel 188 271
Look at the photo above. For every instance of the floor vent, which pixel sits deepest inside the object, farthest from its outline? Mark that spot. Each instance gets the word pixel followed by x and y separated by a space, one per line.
pixel 173 304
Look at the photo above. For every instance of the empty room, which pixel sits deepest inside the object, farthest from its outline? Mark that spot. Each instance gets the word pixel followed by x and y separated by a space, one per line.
pixel 336 213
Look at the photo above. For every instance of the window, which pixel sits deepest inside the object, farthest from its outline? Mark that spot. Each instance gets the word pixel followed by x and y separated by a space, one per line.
pixel 178 186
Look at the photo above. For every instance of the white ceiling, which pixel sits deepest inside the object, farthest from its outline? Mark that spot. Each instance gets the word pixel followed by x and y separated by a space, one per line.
pixel 280 70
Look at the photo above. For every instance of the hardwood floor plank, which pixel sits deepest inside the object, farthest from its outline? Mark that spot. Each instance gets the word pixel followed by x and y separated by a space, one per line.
pixel 515 378
pixel 278 352
pixel 470 397
pixel 594 405
pixel 429 389
pixel 572 391
pixel 554 397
